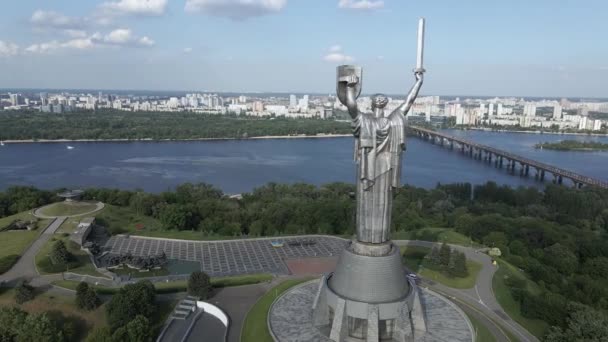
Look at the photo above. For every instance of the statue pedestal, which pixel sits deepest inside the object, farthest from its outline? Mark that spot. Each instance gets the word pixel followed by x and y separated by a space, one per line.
pixel 368 298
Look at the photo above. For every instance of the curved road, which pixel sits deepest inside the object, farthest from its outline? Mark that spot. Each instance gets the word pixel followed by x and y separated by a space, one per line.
pixel 479 299
pixel 25 268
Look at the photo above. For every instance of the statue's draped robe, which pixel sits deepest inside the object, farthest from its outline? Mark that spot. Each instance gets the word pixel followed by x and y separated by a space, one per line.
pixel 378 149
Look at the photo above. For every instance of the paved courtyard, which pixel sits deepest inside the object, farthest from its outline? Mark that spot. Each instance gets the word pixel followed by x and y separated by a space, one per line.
pixel 226 258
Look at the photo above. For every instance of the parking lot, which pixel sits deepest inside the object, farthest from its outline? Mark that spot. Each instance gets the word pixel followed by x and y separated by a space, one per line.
pixel 225 258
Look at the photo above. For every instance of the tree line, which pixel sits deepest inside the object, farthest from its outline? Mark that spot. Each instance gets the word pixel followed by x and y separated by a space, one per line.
pixel 115 124
pixel 556 235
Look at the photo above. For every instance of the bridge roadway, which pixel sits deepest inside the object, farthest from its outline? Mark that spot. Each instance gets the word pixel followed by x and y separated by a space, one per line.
pixel 488 153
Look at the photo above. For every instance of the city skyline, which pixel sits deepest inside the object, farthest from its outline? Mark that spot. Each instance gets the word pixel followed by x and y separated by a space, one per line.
pixel 515 49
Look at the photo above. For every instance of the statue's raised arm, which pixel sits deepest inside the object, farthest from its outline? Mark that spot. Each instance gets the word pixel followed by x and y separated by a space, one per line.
pixel 411 97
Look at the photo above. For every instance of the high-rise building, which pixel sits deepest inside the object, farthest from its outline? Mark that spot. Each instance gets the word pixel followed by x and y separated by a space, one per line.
pixel 16 99
pixel 293 101
pixel 529 109
pixel 499 110
pixel 557 112
pixel 258 106
pixel 490 109
pixel 482 108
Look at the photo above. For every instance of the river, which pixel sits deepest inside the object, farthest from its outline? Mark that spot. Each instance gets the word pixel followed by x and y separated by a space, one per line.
pixel 238 166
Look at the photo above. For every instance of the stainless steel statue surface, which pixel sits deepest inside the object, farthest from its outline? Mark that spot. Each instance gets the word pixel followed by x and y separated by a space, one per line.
pixel 380 141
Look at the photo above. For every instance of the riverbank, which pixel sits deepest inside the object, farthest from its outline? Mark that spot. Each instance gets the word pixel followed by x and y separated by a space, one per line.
pixel 485 129
pixel 573 145
pixel 302 136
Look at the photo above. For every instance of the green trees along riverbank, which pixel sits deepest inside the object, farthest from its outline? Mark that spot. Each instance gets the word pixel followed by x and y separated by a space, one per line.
pixel 573 145
pixel 114 124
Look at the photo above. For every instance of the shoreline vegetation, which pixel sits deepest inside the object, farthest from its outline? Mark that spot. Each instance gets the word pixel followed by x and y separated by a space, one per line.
pixel 264 137
pixel 573 145
pixel 536 131
pixel 121 126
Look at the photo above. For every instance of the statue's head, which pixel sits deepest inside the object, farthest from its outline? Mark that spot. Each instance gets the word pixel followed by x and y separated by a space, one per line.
pixel 379 101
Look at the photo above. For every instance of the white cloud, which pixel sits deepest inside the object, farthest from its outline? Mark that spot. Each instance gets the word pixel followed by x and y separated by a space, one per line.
pixel 117 38
pixel 125 37
pixel 8 49
pixel 235 9
pixel 336 55
pixel 361 4
pixel 80 44
pixel 380 58
pixel 52 19
pixel 335 48
pixel 187 50
pixel 145 41
pixel 75 33
pixel 43 47
pixel 135 7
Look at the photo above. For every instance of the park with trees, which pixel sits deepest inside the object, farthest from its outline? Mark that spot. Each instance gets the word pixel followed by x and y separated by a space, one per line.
pixel 554 239
pixel 116 124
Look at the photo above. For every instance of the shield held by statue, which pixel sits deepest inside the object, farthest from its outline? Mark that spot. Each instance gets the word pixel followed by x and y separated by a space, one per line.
pixel 341 86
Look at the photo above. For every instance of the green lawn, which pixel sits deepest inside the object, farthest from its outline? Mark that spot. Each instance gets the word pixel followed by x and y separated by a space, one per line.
pixel 14 243
pixel 482 333
pixel 413 258
pixel 80 265
pixel 68 208
pixel 120 220
pixel 511 306
pixel 447 235
pixel 255 328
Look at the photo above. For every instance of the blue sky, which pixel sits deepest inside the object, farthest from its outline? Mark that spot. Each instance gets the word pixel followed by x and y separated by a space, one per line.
pixel 522 48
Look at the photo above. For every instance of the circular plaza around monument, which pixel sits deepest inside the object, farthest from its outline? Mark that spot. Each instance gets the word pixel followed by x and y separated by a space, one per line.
pixel 291 318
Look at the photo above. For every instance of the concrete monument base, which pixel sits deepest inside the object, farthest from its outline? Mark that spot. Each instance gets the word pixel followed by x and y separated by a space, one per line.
pixel 291 318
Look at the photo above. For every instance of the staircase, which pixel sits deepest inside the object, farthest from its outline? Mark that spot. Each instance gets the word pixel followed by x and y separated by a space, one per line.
pixel 185 307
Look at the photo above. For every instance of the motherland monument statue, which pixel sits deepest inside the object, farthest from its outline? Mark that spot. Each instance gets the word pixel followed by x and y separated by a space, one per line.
pixel 368 296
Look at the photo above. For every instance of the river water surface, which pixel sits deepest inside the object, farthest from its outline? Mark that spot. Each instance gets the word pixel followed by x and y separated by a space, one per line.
pixel 240 165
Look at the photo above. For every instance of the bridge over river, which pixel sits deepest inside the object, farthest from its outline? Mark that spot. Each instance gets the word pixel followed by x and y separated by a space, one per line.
pixel 513 163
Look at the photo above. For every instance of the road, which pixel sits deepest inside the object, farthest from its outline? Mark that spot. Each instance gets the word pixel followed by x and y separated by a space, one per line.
pixel 25 268
pixel 478 301
pixel 479 298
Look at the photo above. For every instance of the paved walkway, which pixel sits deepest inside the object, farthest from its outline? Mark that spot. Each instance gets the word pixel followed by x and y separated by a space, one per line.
pixel 25 268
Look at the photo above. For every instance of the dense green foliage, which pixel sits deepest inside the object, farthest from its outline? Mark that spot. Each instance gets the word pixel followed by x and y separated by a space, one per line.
pixel 582 325
pixel 23 198
pixel 59 254
pixel 17 325
pixel 448 261
pixel 270 210
pixel 557 236
pixel 24 292
pixel 137 330
pixel 86 297
pixel 573 145
pixel 199 285
pixel 130 301
pixel 113 124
